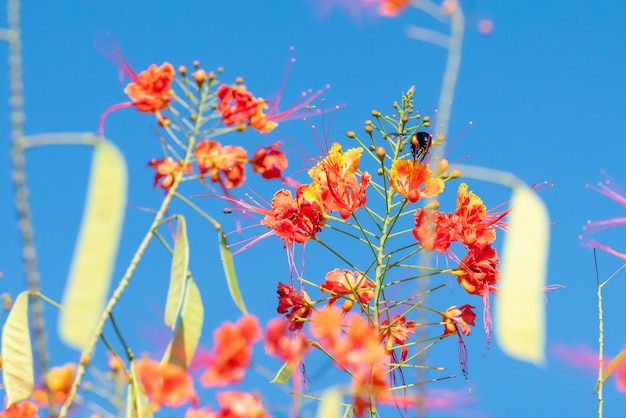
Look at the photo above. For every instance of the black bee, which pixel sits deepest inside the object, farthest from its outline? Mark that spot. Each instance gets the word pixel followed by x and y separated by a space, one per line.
pixel 227 211
pixel 420 144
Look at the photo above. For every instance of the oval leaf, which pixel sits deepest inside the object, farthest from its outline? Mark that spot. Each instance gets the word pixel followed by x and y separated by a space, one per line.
pixel 283 375
pixel 137 402
pixel 520 309
pixel 183 346
pixel 331 404
pixel 17 355
pixel 96 248
pixel 231 276
pixel 178 274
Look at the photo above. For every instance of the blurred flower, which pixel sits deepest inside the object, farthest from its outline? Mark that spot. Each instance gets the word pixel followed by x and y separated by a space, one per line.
pixel 397 332
pixel 59 382
pixel 345 282
pixel 232 351
pixel 217 160
pixel 167 170
pixel 391 8
pixel 613 191
pixel 24 409
pixel 166 384
pixel 297 304
pixel 290 348
pixel 234 404
pixel 269 162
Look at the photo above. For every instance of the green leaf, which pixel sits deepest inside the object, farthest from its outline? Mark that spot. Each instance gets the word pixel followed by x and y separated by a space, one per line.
pixel 183 346
pixel 231 276
pixel 96 248
pixel 520 310
pixel 283 375
pixel 137 402
pixel 178 275
pixel 331 404
pixel 17 355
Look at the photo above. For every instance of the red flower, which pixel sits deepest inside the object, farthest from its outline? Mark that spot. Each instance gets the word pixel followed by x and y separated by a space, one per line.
pixel 167 169
pixel 397 333
pixel 613 191
pixel 231 354
pixel 150 90
pixel 296 305
pixel 236 104
pixel 269 162
pixel 436 230
pixel 290 348
pixel 477 226
pixel 294 220
pixel 23 409
pixel 166 384
pixel 344 282
pixel 414 180
pixel 454 317
pixel 225 165
pixel 478 271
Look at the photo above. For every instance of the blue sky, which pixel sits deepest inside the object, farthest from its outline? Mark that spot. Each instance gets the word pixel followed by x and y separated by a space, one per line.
pixel 545 92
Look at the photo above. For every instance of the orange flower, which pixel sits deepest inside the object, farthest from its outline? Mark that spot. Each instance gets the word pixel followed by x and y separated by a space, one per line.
pixel 150 90
pixel 236 104
pixel 346 283
pixel 298 305
pixel 166 384
pixel 59 381
pixel 454 317
pixel 167 170
pixel 231 354
pixel 436 230
pixel 269 162
pixel 414 180
pixel 335 183
pixel 397 333
pixel 294 220
pixel 478 271
pixel 290 348
pixel 227 161
pixel 23 409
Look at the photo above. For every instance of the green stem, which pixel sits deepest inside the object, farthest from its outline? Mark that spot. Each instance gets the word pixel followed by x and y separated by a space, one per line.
pixel 24 218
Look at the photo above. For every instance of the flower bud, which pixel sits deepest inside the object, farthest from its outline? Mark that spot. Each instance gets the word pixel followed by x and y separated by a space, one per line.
pixel 200 77
pixel 182 70
pixel 455 174
pixel 380 153
pixel 350 134
pixel 441 167
pixel 369 129
pixel 375 113
pixel 196 64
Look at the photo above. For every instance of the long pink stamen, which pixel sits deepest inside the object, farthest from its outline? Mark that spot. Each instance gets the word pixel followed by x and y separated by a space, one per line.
pixel 595 244
pixel 114 54
pixel 596 226
pixel 109 110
